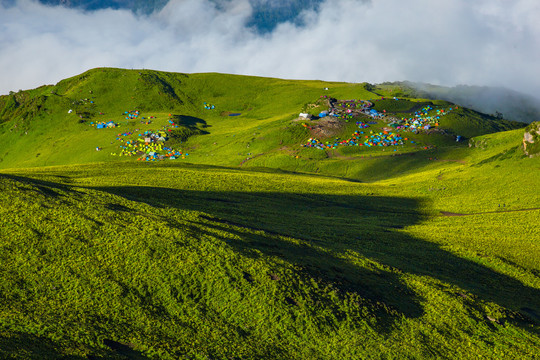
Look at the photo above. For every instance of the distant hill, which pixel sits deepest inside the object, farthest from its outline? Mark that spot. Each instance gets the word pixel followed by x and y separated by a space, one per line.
pixel 56 125
pixel 498 101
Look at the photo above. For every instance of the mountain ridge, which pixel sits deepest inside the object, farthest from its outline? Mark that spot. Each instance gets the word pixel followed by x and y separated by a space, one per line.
pixel 104 94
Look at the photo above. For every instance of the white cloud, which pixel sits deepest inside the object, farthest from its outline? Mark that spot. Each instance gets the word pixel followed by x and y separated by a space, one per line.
pixel 485 42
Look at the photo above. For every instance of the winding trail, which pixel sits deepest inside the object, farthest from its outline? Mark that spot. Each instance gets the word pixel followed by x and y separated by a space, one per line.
pixel 447 213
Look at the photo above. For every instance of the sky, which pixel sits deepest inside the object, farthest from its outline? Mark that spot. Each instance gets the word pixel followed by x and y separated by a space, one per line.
pixel 443 42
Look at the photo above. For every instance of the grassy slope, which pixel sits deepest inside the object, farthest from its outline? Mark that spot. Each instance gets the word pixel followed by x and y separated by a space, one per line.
pixel 63 140
pixel 180 259
pixel 40 131
pixel 174 259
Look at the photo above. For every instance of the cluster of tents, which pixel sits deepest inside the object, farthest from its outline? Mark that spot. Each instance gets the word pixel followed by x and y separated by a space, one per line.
pixel 209 106
pixel 317 144
pixel 171 124
pixel 375 114
pixel 384 138
pixel 350 105
pixel 148 145
pixel 355 140
pixel 132 114
pixel 323 114
pixel 104 124
pixel 149 151
pixel 150 136
pixel 349 109
pixel 424 119
pixel 354 108
pixel 168 153
pixel 119 137
pixel 148 120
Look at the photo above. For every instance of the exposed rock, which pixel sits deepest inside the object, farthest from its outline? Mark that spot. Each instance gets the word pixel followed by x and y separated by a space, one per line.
pixel 531 140
pixel 478 143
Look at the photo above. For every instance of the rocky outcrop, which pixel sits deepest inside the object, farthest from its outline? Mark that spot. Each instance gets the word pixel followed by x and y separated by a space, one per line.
pixel 531 139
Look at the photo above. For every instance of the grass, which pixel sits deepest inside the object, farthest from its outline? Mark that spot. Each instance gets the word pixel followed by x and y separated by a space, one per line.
pixel 173 260
pixel 254 247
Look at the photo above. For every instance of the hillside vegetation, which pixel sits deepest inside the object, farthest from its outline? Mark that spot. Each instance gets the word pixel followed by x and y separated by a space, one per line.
pixel 260 241
pixel 51 125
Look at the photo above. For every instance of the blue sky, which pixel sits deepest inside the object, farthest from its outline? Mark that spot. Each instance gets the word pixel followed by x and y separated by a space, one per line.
pixel 447 42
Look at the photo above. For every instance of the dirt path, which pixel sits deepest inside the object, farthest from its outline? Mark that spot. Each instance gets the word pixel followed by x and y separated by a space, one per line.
pixel 250 158
pixel 334 154
pixel 446 213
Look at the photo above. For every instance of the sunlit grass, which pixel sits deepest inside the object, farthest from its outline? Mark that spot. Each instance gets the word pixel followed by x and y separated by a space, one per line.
pixel 254 247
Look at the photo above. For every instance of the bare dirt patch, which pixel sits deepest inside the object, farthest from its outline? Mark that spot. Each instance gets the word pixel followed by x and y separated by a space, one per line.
pixel 326 128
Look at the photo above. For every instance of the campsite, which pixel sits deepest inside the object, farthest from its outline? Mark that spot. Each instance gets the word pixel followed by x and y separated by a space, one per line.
pixel 216 216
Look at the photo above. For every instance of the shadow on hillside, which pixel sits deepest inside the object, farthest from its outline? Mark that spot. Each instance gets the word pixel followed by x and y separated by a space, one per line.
pixel 399 164
pixel 190 121
pixel 28 346
pixel 332 225
pixel 44 187
pixel 187 126
pixel 32 347
pixel 328 227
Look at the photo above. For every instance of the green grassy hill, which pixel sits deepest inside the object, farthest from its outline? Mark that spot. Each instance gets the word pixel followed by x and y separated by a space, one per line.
pixel 254 246
pixel 51 125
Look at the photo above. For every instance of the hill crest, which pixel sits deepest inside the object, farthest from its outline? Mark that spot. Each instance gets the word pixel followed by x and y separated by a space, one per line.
pixel 222 119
